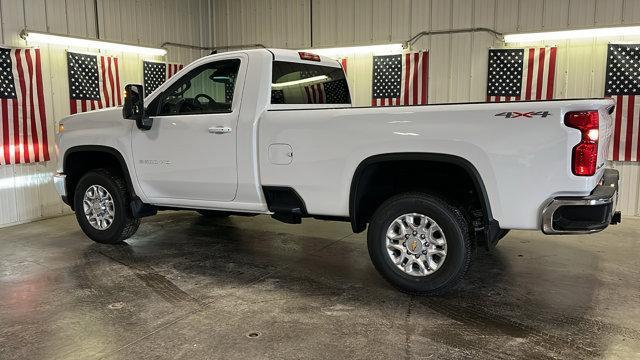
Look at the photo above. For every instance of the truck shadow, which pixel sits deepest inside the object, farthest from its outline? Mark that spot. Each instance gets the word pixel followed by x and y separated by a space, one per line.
pixel 510 305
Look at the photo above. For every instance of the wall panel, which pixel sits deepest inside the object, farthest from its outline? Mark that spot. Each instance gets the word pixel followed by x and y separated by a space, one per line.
pixel 530 15
pixel 363 22
pixel 631 12
pixel 555 14
pixel 400 20
pixel 381 11
pixel 507 16
pixel 581 13
pixel 608 12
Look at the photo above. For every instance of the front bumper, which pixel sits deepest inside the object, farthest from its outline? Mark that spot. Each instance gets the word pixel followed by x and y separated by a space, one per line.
pixel 583 215
pixel 60 183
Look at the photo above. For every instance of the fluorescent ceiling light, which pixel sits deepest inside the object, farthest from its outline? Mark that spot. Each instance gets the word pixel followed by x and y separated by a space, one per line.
pixel 573 34
pixel 298 82
pixel 78 42
pixel 386 49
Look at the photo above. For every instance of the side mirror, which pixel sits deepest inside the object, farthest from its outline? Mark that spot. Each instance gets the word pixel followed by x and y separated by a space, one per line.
pixel 133 108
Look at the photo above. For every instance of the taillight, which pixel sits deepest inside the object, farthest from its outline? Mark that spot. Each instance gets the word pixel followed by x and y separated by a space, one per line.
pixel 584 158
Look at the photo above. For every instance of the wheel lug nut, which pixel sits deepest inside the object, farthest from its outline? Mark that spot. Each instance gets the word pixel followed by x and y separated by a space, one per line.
pixel 415 233
pixel 422 236
pixel 406 236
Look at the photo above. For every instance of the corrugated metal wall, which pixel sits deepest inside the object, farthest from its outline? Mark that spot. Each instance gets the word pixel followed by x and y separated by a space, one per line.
pixel 458 62
pixel 26 190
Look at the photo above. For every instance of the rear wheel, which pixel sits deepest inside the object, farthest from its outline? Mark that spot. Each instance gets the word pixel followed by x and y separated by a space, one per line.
pixel 101 203
pixel 419 243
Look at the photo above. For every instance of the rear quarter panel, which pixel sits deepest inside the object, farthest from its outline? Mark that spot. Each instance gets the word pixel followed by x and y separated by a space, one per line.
pixel 523 161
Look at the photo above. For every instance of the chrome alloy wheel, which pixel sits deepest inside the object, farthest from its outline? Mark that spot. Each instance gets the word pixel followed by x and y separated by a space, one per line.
pixel 416 244
pixel 98 207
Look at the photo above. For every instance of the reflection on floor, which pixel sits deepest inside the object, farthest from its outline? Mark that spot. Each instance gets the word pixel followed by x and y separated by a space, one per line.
pixel 250 287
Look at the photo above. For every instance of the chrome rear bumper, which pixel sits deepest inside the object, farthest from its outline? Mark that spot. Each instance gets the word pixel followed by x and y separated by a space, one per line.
pixel 584 215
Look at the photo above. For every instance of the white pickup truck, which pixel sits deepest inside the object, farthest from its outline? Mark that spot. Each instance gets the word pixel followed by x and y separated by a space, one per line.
pixel 273 132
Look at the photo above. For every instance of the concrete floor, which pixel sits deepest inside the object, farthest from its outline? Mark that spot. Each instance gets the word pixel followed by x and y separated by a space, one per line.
pixel 187 287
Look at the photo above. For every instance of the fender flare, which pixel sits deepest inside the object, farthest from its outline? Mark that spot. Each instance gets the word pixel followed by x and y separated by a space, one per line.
pixel 104 149
pixel 354 197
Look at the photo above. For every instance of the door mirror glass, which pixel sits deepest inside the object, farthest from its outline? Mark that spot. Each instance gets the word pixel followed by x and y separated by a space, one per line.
pixel 133 102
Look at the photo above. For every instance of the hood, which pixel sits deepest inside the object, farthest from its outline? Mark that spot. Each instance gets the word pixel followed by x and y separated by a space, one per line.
pixel 111 113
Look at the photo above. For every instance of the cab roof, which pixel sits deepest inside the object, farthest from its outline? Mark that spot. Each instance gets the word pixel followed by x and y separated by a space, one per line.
pixel 290 56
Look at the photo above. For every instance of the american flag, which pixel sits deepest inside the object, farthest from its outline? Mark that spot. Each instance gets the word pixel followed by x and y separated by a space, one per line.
pixel 94 82
pixel 156 73
pixel 173 68
pixel 277 96
pixel 24 123
pixel 314 94
pixel 331 92
pixel 400 79
pixel 622 83
pixel 229 87
pixel 521 74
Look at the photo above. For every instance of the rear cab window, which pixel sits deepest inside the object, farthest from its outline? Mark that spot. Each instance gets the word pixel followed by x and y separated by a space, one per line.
pixel 302 83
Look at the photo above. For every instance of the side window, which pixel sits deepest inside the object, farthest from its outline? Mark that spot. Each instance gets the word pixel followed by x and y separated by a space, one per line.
pixel 298 83
pixel 207 89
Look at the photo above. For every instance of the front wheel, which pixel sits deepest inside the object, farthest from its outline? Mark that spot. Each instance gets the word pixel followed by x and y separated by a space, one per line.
pixel 101 203
pixel 419 243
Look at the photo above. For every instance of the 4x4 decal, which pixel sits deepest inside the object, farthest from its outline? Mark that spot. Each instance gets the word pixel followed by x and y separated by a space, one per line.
pixel 528 114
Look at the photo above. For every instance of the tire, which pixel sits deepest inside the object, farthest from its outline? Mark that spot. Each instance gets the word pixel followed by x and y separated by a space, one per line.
pixel 123 224
pixel 452 228
pixel 213 214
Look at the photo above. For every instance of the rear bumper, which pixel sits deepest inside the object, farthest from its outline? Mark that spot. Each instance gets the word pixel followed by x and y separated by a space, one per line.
pixel 583 215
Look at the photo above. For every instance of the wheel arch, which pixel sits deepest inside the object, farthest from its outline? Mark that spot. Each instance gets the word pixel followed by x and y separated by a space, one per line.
pixel 114 160
pixel 358 182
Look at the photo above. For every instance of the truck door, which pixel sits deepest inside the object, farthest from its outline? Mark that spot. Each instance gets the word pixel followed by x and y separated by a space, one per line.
pixel 190 150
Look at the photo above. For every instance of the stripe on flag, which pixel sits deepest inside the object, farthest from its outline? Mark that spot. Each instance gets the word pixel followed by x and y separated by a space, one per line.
pixel 625 145
pixel 172 69
pixel 315 94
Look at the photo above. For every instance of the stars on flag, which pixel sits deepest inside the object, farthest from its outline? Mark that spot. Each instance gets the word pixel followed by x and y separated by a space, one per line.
pixel 387 76
pixel 505 72
pixel 7 85
pixel 83 76
pixel 623 70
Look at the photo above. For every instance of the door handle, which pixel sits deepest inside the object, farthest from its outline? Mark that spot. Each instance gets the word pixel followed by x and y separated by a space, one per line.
pixel 219 130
